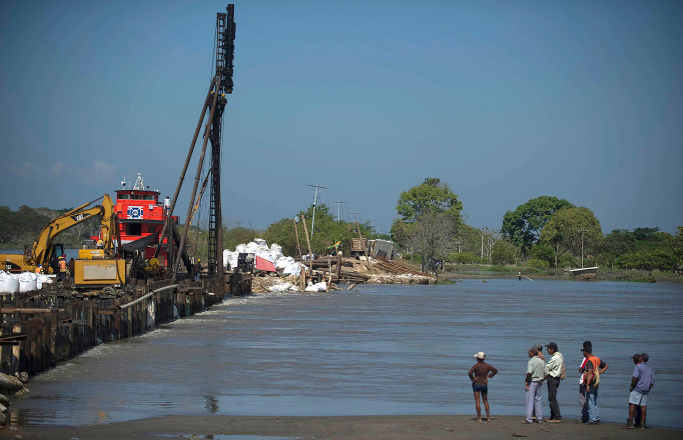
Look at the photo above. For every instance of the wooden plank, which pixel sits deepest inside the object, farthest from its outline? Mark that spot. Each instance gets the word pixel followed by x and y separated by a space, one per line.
pixel 26 311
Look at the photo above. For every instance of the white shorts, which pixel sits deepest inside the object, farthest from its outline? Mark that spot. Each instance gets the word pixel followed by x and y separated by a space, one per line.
pixel 637 398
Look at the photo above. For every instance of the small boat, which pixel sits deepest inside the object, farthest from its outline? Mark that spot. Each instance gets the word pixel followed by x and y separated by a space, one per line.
pixel 583 270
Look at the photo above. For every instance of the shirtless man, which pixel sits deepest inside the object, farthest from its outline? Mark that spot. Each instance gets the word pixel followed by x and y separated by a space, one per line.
pixel 479 374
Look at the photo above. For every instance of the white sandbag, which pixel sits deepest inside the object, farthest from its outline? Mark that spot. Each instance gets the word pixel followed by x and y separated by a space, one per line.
pixel 43 279
pixel 276 251
pixel 293 268
pixel 230 258
pixel 317 287
pixel 27 282
pixel 279 288
pixel 9 283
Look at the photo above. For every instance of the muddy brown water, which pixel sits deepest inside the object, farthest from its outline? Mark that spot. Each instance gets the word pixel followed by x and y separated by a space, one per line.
pixel 383 349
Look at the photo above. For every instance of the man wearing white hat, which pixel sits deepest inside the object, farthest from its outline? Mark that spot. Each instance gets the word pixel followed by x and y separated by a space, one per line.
pixel 479 374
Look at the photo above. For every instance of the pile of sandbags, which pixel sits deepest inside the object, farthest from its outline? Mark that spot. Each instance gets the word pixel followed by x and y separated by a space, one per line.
pixel 23 282
pixel 260 248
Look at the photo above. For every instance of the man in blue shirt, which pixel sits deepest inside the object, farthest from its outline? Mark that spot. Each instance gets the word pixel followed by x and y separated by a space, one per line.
pixel 642 381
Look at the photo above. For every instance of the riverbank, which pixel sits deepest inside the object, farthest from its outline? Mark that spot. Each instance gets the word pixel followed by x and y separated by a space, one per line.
pixel 358 427
pixel 488 271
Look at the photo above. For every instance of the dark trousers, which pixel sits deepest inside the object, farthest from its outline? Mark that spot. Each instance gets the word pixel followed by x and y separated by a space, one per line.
pixel 582 403
pixel 553 384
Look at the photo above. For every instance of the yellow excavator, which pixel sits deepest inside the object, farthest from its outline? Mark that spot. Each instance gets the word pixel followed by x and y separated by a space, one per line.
pixel 103 268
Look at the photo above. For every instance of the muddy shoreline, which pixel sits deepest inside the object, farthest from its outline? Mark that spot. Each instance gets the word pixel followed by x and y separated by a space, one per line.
pixel 359 427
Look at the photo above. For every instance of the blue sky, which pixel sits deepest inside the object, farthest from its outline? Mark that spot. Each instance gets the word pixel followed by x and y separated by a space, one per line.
pixel 505 101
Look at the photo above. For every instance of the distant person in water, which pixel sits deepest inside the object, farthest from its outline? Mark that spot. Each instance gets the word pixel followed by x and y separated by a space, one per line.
pixel 479 374
pixel 520 275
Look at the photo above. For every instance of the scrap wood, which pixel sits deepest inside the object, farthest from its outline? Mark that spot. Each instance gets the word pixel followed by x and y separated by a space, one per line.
pixel 396 269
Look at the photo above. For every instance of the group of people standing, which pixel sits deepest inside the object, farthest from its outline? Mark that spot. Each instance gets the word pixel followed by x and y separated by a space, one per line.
pixel 553 372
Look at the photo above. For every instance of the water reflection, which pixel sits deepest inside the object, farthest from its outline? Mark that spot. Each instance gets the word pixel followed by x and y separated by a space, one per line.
pixel 211 404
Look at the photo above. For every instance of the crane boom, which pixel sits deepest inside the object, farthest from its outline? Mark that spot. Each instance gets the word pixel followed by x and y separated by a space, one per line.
pixel 199 199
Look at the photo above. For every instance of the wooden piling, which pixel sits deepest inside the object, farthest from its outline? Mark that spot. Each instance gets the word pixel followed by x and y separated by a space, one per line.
pixel 41 328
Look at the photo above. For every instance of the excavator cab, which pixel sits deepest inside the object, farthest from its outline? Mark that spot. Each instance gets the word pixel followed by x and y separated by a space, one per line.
pixel 53 262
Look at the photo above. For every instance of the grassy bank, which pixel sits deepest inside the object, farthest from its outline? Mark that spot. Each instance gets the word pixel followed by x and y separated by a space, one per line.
pixel 454 271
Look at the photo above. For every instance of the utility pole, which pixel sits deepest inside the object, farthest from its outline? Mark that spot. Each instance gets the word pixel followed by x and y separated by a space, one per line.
pixel 482 242
pixel 582 231
pixel 296 232
pixel 315 203
pixel 338 206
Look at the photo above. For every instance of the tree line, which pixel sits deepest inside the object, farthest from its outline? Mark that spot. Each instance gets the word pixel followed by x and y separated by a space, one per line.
pixel 544 232
pixel 21 227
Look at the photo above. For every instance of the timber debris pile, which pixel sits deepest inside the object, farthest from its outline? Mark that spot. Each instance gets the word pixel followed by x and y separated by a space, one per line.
pixel 274 272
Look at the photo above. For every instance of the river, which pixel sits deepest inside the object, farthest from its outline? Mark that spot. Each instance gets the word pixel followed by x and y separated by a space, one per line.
pixel 383 349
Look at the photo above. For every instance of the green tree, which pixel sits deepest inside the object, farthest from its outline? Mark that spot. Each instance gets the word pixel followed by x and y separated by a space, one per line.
pixel 420 209
pixel 658 259
pixel 282 233
pixel 523 225
pixel 542 252
pixel 430 196
pixel 464 258
pixel 400 232
pixel 432 236
pixel 7 225
pixel 503 253
pixel 537 263
pixel 327 232
pixel 562 232
pixel 677 245
pixel 646 234
pixel 619 242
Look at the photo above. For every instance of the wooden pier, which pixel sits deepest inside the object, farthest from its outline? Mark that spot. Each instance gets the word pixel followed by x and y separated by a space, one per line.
pixel 44 327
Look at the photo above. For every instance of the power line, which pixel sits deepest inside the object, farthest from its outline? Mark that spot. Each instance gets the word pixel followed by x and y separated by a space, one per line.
pixel 339 203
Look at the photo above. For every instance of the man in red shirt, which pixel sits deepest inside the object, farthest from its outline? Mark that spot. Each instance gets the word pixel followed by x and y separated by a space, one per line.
pixel 479 374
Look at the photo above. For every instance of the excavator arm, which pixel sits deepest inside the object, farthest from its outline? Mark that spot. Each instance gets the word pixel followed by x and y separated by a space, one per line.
pixel 108 228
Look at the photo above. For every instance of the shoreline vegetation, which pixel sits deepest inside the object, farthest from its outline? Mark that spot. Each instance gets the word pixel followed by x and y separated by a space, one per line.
pixel 404 427
pixel 543 236
pixel 456 272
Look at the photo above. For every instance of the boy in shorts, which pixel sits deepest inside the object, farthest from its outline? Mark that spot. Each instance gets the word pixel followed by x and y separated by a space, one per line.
pixel 479 374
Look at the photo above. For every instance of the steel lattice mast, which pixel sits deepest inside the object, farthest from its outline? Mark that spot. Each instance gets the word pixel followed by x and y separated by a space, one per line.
pixel 225 48
pixel 221 84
